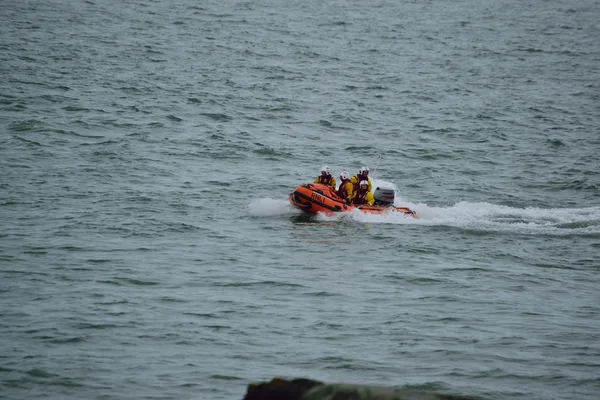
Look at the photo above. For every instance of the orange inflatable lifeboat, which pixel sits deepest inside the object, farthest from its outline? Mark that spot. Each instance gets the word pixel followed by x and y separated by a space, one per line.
pixel 313 198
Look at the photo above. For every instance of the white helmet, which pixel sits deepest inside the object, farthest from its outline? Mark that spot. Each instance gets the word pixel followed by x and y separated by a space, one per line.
pixel 344 175
pixel 363 169
pixel 326 170
pixel 364 183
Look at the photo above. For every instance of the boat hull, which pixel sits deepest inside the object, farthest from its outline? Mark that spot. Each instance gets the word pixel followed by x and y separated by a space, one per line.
pixel 313 198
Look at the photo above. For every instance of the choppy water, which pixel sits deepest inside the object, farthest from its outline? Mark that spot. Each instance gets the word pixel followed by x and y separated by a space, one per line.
pixel 147 249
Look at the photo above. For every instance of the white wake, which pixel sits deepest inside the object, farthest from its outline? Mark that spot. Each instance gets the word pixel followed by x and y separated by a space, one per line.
pixel 462 215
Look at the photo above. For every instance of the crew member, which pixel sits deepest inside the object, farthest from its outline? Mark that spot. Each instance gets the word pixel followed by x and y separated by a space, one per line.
pixel 363 175
pixel 325 178
pixel 346 189
pixel 363 195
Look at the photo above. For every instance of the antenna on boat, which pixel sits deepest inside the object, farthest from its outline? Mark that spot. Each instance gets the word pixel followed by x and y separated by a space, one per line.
pixel 373 173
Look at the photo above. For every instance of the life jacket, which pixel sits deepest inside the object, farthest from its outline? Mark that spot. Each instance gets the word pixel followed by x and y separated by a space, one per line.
pixel 325 180
pixel 342 192
pixel 359 198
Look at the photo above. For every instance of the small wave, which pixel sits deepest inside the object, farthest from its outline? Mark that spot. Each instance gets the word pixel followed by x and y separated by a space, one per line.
pixel 85 326
pixel 75 109
pixel 257 283
pixel 556 143
pixel 76 339
pixel 40 373
pixel 169 299
pixel 30 125
pixel 217 117
pixel 122 281
pixel 531 50
pixel 321 294
pixel 226 377
pixel 202 315
pixel 174 118
pixel 269 151
pixel 219 183
pixel 75 134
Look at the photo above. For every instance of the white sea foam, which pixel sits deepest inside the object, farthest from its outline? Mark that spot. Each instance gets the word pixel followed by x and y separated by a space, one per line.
pixel 492 217
pixel 462 215
pixel 267 207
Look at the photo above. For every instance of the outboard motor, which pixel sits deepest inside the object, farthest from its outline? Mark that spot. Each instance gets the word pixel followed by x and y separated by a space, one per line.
pixel 384 196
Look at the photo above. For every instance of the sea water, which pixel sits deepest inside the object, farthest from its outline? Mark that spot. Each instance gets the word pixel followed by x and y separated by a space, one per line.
pixel 147 149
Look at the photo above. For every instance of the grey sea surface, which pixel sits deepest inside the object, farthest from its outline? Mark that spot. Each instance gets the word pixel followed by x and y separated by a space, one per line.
pixel 147 149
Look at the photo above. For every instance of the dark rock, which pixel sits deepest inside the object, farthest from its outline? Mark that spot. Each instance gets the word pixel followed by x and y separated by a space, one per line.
pixel 306 389
pixel 280 389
